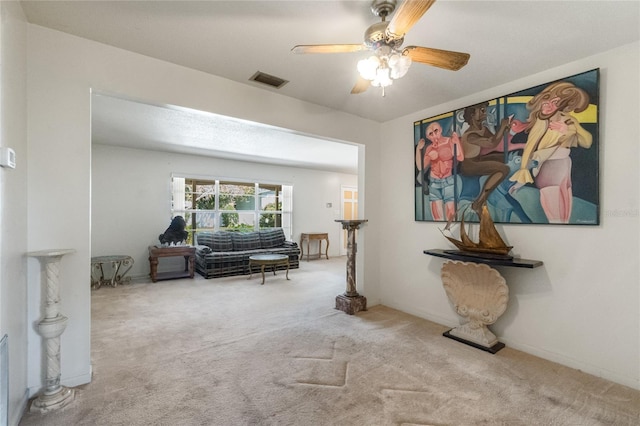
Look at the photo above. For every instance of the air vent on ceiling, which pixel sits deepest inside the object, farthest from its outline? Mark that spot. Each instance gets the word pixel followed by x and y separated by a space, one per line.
pixel 269 80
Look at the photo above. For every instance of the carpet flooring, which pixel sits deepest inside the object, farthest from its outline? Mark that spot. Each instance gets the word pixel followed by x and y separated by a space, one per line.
pixel 233 352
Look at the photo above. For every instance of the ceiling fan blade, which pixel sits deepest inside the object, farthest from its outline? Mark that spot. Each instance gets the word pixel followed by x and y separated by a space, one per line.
pixel 446 59
pixel 406 16
pixel 361 86
pixel 328 48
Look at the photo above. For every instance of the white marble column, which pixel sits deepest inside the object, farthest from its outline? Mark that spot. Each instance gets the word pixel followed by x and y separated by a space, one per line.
pixel 50 328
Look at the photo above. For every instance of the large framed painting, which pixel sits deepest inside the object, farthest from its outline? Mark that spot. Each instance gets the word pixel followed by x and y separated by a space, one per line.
pixel 531 156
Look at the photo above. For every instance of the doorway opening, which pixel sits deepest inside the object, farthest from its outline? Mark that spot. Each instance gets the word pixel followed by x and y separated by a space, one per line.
pixel 349 207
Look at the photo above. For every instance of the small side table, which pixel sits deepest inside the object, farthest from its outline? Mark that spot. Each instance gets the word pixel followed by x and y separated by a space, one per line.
pixel 266 260
pixel 117 263
pixel 189 254
pixel 308 236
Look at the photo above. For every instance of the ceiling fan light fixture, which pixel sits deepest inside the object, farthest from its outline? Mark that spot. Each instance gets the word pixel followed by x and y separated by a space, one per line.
pixel 383 77
pixel 399 65
pixel 391 61
pixel 385 66
pixel 368 67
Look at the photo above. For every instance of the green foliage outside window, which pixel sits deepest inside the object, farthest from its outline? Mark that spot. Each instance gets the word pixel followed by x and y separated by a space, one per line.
pixel 206 202
pixel 270 220
pixel 233 206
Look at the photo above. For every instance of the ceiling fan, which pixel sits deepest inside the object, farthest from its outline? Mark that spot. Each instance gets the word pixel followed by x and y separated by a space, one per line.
pixel 389 61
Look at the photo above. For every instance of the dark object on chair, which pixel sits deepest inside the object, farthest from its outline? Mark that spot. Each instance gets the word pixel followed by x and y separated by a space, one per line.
pixel 175 233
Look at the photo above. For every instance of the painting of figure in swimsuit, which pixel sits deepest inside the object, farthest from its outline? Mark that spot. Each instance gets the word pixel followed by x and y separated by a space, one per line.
pixel 531 156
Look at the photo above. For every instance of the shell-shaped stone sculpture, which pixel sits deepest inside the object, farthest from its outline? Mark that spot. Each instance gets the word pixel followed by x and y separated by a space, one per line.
pixel 478 293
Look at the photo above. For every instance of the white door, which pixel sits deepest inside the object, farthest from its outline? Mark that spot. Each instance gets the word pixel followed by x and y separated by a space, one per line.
pixel 349 208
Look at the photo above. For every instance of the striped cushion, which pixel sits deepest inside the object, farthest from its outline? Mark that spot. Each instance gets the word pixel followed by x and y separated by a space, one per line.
pixel 204 239
pixel 245 240
pixel 218 241
pixel 270 238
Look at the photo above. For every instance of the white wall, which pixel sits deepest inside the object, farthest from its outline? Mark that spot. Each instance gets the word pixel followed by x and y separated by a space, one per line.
pixel 131 197
pixel 62 69
pixel 13 202
pixel 581 308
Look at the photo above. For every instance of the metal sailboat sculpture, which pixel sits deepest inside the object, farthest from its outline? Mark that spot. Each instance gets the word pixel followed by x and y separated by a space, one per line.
pixel 489 240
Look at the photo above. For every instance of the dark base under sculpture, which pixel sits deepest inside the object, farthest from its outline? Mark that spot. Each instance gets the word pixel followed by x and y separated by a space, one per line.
pixel 491 349
pixel 351 305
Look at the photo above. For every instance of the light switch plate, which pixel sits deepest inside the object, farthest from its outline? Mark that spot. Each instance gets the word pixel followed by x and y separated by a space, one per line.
pixel 7 157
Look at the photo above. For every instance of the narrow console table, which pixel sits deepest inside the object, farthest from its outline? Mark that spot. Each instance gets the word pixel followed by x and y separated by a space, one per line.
pixel 319 236
pixel 188 252
pixel 478 293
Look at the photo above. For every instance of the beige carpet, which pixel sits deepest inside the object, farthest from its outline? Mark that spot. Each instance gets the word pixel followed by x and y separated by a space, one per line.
pixel 232 352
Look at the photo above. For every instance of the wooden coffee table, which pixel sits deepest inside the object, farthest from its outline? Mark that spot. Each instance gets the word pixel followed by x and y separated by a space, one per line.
pixel 268 260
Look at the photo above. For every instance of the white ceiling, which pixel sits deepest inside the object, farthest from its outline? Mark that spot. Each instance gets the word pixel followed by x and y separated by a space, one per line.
pixel 132 124
pixel 507 40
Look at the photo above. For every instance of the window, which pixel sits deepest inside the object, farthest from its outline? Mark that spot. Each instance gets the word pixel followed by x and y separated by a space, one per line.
pixel 212 205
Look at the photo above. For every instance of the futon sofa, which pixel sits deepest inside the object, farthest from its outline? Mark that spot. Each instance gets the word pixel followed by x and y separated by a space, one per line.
pixel 225 253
